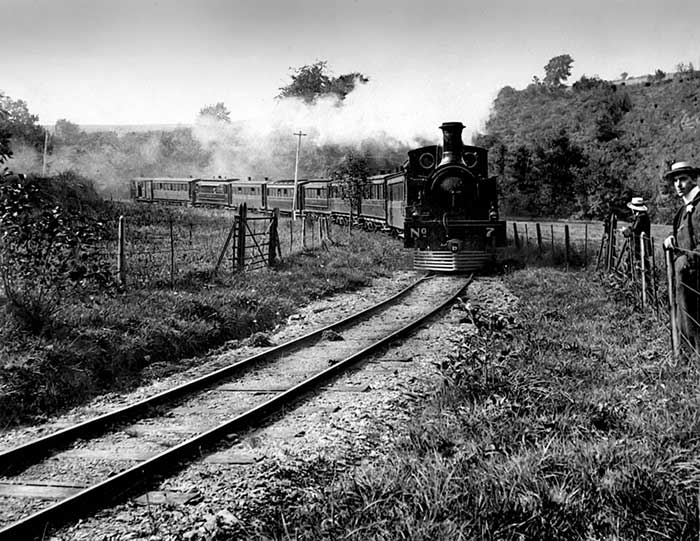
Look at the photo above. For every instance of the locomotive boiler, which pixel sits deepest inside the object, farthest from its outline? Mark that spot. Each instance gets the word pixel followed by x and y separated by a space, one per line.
pixel 451 209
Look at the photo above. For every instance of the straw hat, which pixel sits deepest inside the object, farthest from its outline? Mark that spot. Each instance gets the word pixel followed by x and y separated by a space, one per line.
pixel 680 168
pixel 637 204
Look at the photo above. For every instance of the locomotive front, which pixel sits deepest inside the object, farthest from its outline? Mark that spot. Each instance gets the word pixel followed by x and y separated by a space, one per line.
pixel 451 218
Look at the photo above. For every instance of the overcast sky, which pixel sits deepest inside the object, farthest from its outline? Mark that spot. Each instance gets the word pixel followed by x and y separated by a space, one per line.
pixel 160 61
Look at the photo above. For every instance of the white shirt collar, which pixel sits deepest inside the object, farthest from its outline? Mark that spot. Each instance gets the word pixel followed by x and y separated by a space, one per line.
pixel 691 195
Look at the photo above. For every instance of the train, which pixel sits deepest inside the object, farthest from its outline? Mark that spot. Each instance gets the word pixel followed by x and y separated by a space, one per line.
pixel 441 200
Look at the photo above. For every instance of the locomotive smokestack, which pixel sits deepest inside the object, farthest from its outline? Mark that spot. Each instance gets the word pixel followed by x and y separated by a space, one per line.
pixel 452 143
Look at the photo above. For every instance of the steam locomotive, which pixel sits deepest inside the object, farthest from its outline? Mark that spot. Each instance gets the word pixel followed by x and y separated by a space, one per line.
pixel 441 200
pixel 451 218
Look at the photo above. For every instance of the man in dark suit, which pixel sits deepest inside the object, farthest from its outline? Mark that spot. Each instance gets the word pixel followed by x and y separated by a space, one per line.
pixel 640 224
pixel 684 242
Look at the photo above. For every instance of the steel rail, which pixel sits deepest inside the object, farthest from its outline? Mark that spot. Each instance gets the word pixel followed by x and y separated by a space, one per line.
pixel 15 459
pixel 94 497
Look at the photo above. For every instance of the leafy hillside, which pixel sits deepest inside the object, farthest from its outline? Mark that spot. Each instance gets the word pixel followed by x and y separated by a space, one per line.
pixel 583 150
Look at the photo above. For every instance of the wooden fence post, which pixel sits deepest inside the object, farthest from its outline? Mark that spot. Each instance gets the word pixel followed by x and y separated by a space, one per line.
pixel 527 237
pixel 673 307
pixel 272 239
pixel 291 237
pixel 566 245
pixel 172 252
pixel 539 237
pixel 642 262
pixel 611 241
pixel 515 235
pixel 585 246
pixel 234 241
pixel 121 268
pixel 654 284
pixel 303 231
pixel 551 230
pixel 225 247
pixel 630 257
pixel 242 224
pixel 313 232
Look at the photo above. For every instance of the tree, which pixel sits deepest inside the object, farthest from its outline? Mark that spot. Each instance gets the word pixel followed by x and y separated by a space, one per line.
pixel 217 112
pixel 559 162
pixel 659 75
pixel 344 84
pixel 312 81
pixel 20 123
pixel 624 75
pixel 557 70
pixel 351 173
pixel 586 83
pixel 67 133
pixel 5 150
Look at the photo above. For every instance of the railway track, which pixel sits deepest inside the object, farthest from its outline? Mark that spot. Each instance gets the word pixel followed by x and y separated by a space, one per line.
pixel 89 465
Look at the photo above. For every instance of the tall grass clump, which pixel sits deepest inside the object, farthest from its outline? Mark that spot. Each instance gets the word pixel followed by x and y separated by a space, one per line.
pixel 565 420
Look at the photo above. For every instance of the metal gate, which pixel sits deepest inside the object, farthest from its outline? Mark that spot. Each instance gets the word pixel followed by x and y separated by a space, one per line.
pixel 252 242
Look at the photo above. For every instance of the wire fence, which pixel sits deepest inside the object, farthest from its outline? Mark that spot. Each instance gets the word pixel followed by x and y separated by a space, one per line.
pixel 170 248
pixel 659 275
pixel 563 243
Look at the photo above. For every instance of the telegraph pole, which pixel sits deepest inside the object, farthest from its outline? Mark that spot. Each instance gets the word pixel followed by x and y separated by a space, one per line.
pixel 46 145
pixel 296 174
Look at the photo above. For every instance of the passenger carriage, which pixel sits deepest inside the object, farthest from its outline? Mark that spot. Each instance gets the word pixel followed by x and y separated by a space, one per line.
pixel 251 192
pixel 212 192
pixel 172 191
pixel 280 194
pixel 374 203
pixel 316 196
pixel 339 207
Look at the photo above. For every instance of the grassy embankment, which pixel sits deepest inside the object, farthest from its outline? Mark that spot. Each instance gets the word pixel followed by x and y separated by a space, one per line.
pixel 112 340
pixel 565 420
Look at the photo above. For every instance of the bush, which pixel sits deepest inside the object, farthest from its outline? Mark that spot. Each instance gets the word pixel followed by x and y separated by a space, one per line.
pixel 48 247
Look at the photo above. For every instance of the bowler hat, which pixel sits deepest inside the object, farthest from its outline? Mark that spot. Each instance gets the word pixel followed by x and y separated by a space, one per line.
pixel 679 168
pixel 637 204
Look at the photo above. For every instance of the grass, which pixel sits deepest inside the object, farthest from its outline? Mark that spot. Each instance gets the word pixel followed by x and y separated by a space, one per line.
pixel 566 420
pixel 115 341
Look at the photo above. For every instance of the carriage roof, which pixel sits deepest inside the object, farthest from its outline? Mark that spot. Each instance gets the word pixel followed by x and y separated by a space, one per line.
pixel 317 183
pixel 214 180
pixel 385 176
pixel 167 179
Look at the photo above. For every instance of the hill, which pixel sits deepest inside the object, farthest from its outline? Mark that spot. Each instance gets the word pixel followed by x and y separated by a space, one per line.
pixel 584 150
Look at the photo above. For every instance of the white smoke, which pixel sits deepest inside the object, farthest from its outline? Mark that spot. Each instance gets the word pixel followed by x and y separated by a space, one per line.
pixel 383 116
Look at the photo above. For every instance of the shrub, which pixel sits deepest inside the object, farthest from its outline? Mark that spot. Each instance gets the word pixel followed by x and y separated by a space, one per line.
pixel 48 248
